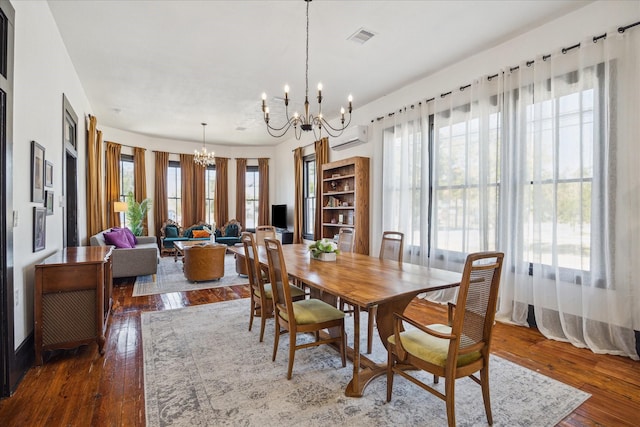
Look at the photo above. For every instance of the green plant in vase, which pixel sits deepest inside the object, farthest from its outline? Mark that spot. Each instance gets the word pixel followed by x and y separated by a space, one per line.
pixel 324 250
pixel 136 214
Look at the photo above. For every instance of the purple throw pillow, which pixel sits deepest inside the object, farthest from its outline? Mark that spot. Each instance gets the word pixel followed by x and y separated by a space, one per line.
pixel 130 237
pixel 118 238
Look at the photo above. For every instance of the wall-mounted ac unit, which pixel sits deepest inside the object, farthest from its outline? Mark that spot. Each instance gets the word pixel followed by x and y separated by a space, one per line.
pixel 351 136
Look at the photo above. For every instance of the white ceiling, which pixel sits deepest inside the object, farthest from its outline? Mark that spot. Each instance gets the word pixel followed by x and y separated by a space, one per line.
pixel 161 68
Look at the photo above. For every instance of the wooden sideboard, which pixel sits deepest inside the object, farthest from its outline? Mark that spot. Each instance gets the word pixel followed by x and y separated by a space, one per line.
pixel 72 298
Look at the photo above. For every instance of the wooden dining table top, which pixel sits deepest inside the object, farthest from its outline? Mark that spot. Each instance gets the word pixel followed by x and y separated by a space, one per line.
pixel 358 279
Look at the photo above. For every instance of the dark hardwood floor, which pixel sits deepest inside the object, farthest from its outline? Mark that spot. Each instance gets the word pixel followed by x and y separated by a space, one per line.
pixel 82 388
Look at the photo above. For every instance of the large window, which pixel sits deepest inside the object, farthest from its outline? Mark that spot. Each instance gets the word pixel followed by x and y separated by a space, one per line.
pixel 252 195
pixel 559 164
pixel 174 192
pixel 309 194
pixel 210 190
pixel 126 182
pixel 465 183
pixel 545 200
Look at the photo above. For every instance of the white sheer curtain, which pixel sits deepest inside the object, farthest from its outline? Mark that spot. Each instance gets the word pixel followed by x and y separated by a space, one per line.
pixel 571 196
pixel 405 201
pixel 466 173
pixel 540 163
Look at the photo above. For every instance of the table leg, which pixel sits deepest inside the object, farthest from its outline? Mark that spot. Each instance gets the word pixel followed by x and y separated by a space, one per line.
pixel 364 369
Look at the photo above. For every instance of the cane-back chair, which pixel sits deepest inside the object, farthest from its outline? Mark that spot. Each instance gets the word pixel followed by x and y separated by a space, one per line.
pixel 261 301
pixel 309 315
pixel 458 349
pixel 346 239
pixel 264 231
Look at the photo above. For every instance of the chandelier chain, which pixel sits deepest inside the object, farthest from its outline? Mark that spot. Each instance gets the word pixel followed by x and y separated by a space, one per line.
pixel 306 69
pixel 306 121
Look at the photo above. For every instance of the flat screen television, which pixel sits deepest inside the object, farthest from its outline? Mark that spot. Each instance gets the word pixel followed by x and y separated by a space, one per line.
pixel 279 216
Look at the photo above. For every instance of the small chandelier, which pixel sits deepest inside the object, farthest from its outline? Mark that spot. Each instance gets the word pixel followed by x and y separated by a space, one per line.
pixel 203 157
pixel 308 121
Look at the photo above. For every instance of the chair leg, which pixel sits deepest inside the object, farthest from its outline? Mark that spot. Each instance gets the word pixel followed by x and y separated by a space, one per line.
pixel 372 315
pixel 292 353
pixel 389 373
pixel 484 383
pixel 253 310
pixel 276 340
pixel 263 323
pixel 343 346
pixel 449 386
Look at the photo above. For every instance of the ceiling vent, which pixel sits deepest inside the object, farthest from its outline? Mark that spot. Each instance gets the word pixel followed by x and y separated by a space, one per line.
pixel 361 36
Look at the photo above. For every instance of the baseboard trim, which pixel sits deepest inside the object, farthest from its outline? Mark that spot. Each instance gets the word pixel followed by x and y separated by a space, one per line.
pixel 23 359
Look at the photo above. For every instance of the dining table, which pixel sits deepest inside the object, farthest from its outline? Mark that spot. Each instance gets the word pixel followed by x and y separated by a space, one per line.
pixel 364 282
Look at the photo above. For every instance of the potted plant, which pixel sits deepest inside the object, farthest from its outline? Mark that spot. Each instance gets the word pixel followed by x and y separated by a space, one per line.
pixel 136 214
pixel 324 250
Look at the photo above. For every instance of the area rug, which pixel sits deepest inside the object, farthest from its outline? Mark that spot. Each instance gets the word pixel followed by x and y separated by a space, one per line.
pixel 170 278
pixel 202 367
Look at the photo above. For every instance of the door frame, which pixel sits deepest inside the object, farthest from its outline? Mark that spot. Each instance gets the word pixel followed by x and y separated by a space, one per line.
pixel 10 366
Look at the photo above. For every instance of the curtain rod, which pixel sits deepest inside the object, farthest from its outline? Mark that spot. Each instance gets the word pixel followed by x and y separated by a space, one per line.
pixel 308 145
pixel 252 158
pixel 123 145
pixel 564 50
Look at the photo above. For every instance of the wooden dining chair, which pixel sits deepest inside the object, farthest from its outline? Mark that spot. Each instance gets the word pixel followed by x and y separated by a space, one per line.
pixel 458 349
pixel 264 231
pixel 261 301
pixel 309 315
pixel 392 246
pixel 346 239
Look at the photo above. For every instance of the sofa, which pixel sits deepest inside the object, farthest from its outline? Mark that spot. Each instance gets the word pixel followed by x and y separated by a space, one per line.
pixel 140 260
pixel 171 232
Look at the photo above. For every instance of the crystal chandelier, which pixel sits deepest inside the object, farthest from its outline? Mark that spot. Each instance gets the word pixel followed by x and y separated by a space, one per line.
pixel 308 121
pixel 203 157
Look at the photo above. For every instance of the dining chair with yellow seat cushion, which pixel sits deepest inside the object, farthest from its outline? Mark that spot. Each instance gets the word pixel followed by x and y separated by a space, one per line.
pixel 264 232
pixel 309 315
pixel 459 349
pixel 391 248
pixel 261 302
pixel 346 239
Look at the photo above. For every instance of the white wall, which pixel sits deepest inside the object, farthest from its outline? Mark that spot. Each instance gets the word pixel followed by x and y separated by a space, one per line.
pixel 579 26
pixel 176 147
pixel 43 72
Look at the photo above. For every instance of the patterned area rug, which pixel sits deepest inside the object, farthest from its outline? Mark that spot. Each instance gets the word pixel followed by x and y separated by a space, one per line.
pixel 202 367
pixel 170 278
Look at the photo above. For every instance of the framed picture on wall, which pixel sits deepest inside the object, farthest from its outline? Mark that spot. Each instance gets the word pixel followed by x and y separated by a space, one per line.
pixel 48 174
pixel 39 228
pixel 37 172
pixel 48 202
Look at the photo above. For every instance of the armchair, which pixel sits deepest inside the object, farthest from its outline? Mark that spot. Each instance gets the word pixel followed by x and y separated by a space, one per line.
pixel 170 232
pixel 456 350
pixel 203 262
pixel 229 234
